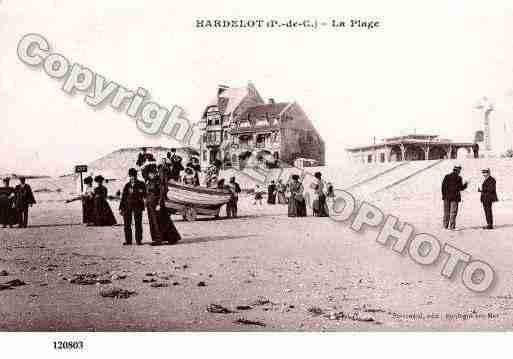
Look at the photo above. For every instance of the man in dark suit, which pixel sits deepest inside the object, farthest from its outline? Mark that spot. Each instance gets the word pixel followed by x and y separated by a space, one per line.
pixel 452 185
pixel 24 198
pixel 132 205
pixel 488 196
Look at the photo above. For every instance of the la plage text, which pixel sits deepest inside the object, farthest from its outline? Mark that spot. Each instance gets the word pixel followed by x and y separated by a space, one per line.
pixel 312 23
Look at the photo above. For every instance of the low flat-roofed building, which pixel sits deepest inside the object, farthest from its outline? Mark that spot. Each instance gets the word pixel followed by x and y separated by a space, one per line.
pixel 410 148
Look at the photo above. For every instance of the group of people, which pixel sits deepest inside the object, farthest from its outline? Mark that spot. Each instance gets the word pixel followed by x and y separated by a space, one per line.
pixel 171 167
pixel 15 203
pixel 453 184
pixel 96 210
pixel 293 193
pixel 150 195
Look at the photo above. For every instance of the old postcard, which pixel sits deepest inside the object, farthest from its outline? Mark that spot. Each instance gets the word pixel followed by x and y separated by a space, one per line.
pixel 249 166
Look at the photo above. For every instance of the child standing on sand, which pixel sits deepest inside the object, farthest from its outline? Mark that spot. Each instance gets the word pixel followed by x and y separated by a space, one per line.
pixel 258 196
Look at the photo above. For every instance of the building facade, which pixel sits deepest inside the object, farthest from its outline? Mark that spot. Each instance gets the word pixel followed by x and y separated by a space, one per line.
pixel 240 129
pixel 411 148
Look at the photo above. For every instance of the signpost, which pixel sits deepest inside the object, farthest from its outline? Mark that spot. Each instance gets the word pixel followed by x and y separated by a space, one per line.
pixel 81 169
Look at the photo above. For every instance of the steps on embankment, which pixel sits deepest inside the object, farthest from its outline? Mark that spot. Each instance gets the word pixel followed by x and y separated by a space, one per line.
pixel 427 185
pixel 389 179
pixel 340 176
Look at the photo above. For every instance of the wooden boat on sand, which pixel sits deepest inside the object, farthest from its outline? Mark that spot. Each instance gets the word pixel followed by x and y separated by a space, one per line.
pixel 191 201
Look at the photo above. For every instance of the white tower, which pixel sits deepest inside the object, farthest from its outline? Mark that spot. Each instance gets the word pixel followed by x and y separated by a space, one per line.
pixel 486 107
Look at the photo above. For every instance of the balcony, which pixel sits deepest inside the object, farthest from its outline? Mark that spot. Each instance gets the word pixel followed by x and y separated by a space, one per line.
pixel 212 141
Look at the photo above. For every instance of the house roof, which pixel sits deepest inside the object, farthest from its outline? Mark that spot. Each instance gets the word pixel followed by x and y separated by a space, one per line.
pixel 228 100
pixel 259 111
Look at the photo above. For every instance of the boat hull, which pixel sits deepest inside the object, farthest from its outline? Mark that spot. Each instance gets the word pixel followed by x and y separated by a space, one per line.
pixel 205 201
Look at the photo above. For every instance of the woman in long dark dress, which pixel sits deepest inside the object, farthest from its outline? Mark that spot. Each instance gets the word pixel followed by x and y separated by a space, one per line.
pixel 88 202
pixel 271 193
pixel 167 230
pixel 153 188
pixel 7 211
pixel 103 215
pixel 297 204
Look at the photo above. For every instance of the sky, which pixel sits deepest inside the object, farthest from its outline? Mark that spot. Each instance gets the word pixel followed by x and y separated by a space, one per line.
pixel 423 70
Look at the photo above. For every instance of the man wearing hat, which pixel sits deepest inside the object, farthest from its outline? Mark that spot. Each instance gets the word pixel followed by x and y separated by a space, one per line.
pixel 452 185
pixel 132 206
pixel 488 196
pixel 24 198
pixel 7 215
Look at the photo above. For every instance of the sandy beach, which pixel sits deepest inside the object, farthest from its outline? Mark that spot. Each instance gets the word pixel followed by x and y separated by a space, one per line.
pixel 262 271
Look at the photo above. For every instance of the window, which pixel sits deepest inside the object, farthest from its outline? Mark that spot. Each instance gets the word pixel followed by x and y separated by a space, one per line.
pixel 369 158
pixel 244 124
pixel 382 157
pixel 204 155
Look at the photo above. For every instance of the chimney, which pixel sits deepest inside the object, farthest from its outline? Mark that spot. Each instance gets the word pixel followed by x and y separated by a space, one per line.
pixel 271 101
pixel 221 88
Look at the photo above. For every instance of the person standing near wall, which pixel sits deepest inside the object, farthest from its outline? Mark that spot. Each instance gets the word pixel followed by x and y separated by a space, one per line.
pixel 488 196
pixel 452 185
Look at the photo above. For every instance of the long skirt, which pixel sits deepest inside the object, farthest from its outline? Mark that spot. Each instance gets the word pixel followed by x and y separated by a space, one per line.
pixel 7 213
pixel 168 231
pixel 154 221
pixel 88 210
pixel 271 198
pixel 103 215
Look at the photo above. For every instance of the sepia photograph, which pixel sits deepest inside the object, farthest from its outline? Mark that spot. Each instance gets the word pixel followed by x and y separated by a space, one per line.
pixel 242 168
